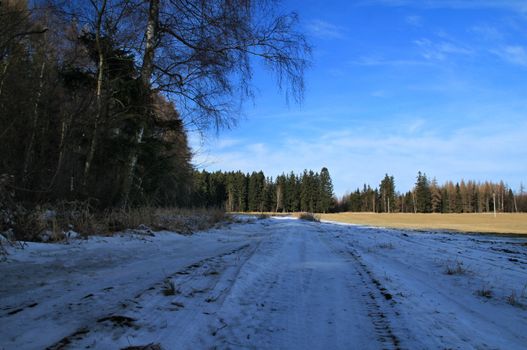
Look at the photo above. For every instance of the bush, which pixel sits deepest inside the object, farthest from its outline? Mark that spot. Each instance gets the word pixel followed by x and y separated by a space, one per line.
pixel 456 268
pixel 263 216
pixel 484 292
pixel 7 206
pixel 309 217
pixel 169 288
pixel 50 223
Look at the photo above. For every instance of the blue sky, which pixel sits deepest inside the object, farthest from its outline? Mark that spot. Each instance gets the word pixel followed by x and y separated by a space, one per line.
pixel 397 87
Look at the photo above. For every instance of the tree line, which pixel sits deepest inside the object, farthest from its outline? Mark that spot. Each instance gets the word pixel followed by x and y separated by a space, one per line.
pixel 96 96
pixel 255 192
pixel 427 196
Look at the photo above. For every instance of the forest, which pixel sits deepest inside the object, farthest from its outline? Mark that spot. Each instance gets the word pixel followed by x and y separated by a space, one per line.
pixel 427 196
pixel 97 97
pixel 313 192
pixel 255 192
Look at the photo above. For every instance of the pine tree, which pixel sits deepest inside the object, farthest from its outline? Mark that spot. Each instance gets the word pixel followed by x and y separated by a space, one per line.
pixel 458 204
pixel 436 197
pixel 423 196
pixel 325 191
pixel 387 193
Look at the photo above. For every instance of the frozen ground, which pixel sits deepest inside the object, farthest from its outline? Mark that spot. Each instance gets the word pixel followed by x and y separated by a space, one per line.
pixel 269 284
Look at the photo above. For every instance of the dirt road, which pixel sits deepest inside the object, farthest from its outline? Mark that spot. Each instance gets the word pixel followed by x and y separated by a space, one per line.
pixel 268 284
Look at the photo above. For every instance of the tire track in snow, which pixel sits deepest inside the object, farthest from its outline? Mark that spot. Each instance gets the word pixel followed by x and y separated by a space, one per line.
pixel 146 317
pixel 300 293
pixel 379 302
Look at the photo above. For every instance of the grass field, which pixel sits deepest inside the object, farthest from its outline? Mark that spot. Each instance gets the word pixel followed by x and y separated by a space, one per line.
pixel 484 223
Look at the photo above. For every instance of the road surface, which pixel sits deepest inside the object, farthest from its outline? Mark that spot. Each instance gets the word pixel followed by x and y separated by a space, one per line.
pixel 268 284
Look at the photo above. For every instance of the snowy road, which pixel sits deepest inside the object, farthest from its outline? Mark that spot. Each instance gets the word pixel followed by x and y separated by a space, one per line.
pixel 269 284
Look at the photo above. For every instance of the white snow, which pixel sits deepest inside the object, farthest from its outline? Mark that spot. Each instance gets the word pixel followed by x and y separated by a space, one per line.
pixel 267 284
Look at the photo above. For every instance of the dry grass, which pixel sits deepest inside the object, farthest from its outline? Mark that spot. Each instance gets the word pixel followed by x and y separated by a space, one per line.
pixel 309 217
pixel 169 288
pixel 77 216
pixel 485 292
pixel 481 223
pixel 455 268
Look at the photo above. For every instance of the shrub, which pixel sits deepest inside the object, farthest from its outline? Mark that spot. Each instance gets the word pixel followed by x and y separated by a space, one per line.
pixel 49 223
pixel 484 292
pixel 169 288
pixel 512 299
pixel 309 217
pixel 456 268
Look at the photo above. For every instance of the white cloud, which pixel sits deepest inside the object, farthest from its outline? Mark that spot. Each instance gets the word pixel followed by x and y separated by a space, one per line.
pixel 514 5
pixel 480 152
pixel 380 61
pixel 513 54
pixel 414 20
pixel 487 32
pixel 379 93
pixel 440 51
pixel 325 30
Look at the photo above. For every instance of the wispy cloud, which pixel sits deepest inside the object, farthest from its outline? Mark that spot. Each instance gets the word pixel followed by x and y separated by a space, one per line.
pixel 515 5
pixel 486 32
pixel 354 157
pixel 381 61
pixel 325 30
pixel 440 50
pixel 414 20
pixel 513 54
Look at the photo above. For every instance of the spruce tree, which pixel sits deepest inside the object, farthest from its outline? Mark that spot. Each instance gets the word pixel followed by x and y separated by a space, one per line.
pixel 325 191
pixel 387 192
pixel 436 197
pixel 423 197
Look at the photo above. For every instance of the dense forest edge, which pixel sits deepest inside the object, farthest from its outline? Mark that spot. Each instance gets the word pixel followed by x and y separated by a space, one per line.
pixel 313 192
pixel 97 99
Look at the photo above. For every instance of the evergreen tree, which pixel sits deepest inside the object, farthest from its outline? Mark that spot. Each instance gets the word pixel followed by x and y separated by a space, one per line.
pixel 436 197
pixel 326 191
pixel 280 193
pixel 387 192
pixel 458 203
pixel 256 188
pixel 423 197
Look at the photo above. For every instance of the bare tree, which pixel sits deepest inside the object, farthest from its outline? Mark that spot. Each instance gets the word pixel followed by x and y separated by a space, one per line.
pixel 100 10
pixel 200 54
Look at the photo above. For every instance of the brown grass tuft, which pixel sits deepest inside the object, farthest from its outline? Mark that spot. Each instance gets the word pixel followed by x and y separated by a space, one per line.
pixel 309 217
pixel 50 223
pixel 456 268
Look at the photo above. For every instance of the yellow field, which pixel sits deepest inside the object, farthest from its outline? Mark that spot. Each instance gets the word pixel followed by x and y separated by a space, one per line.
pixel 484 223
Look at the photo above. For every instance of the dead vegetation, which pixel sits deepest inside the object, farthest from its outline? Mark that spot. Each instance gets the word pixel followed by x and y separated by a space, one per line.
pixel 309 217
pixel 516 299
pixel 385 245
pixel 150 346
pixel 76 219
pixel 485 292
pixel 169 288
pixel 506 223
pixel 455 268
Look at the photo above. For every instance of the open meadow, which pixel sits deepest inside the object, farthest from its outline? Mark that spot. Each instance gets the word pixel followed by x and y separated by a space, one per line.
pixel 505 223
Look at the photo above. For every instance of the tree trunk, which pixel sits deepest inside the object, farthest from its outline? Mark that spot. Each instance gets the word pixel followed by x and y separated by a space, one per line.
pixel 278 197
pixel 4 73
pixel 100 79
pixel 34 124
pixel 146 75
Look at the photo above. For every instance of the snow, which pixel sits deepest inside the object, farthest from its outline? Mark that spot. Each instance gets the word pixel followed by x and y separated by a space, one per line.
pixel 270 283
